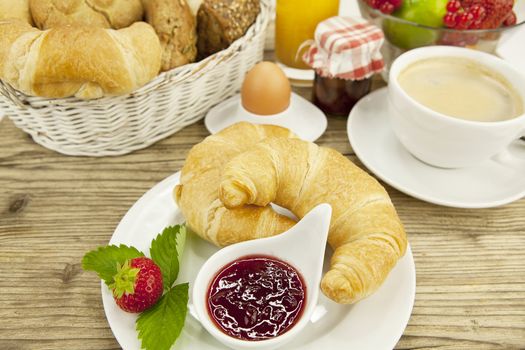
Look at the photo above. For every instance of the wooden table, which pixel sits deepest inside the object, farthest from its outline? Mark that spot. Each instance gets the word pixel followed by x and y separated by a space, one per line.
pixel 54 208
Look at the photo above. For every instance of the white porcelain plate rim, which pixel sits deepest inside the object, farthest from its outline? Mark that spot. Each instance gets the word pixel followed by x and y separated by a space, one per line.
pixel 302 117
pixel 365 141
pixel 375 323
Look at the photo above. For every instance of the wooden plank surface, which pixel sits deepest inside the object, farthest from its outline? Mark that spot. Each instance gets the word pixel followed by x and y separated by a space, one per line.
pixel 53 208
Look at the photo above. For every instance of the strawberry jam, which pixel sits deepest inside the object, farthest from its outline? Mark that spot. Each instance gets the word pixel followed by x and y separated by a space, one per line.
pixel 256 298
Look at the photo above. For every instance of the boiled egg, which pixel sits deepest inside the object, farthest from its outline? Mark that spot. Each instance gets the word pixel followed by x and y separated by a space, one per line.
pixel 266 90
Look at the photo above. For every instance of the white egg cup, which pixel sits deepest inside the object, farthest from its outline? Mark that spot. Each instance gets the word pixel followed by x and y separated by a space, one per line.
pixel 301 116
pixel 302 246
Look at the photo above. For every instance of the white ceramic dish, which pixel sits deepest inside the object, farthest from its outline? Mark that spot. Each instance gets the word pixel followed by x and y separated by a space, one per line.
pixel 375 323
pixel 302 246
pixel 302 117
pixel 492 183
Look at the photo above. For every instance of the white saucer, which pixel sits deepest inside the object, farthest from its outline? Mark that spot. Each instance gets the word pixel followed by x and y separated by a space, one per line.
pixel 302 117
pixel 375 323
pixel 298 77
pixel 489 184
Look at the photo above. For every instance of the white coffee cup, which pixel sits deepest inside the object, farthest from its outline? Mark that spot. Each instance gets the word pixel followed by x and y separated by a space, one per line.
pixel 445 141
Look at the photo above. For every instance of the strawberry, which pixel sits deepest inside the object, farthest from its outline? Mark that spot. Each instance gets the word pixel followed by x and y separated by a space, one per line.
pixel 137 284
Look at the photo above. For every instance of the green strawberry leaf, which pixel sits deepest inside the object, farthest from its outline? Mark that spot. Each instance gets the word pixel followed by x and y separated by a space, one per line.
pixel 104 260
pixel 160 326
pixel 181 241
pixel 166 251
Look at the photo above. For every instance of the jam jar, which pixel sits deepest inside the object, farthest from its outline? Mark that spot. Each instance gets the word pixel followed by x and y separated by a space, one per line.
pixel 345 55
pixel 336 96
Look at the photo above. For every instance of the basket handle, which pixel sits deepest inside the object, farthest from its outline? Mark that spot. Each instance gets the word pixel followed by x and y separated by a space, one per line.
pixel 11 94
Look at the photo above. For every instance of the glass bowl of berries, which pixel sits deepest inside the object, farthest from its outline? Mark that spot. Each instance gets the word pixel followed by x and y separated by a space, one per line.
pixel 476 24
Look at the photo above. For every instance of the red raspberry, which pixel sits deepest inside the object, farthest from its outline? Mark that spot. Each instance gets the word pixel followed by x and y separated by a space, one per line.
pixel 464 20
pixel 385 6
pixel 510 20
pixel 450 19
pixel 396 3
pixel 137 285
pixel 453 6
pixel 478 14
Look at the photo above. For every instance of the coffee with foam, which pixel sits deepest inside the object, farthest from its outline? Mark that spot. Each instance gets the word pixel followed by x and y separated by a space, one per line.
pixel 461 88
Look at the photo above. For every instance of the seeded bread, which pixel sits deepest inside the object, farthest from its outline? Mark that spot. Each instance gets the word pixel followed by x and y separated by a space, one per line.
pixel 176 28
pixel 221 22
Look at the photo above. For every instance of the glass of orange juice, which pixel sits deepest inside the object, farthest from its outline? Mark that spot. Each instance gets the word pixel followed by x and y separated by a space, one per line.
pixel 295 24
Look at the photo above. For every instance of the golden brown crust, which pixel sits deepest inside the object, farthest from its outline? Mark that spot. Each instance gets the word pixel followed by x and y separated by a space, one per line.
pixel 10 31
pixel 365 231
pixel 18 9
pixel 98 13
pixel 53 13
pixel 176 28
pixel 86 62
pixel 119 13
pixel 197 194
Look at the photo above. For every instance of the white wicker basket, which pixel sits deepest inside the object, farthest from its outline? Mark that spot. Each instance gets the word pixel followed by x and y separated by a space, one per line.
pixel 118 125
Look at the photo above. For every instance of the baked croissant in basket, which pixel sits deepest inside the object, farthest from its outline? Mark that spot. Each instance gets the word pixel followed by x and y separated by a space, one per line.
pixel 15 9
pixel 98 13
pixel 197 193
pixel 85 62
pixel 365 232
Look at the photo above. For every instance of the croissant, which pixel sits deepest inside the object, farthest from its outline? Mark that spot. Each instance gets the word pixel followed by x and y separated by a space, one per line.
pixel 365 232
pixel 15 9
pixel 197 193
pixel 98 13
pixel 85 62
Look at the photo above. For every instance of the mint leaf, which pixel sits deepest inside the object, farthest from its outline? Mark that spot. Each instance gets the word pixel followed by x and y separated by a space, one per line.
pixel 104 260
pixel 166 250
pixel 160 326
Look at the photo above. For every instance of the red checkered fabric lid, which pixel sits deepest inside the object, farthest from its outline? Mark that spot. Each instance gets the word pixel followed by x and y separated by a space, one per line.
pixel 346 48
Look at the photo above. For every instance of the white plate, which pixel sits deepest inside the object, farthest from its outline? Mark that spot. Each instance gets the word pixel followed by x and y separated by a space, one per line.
pixel 375 323
pixel 489 184
pixel 306 76
pixel 302 117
